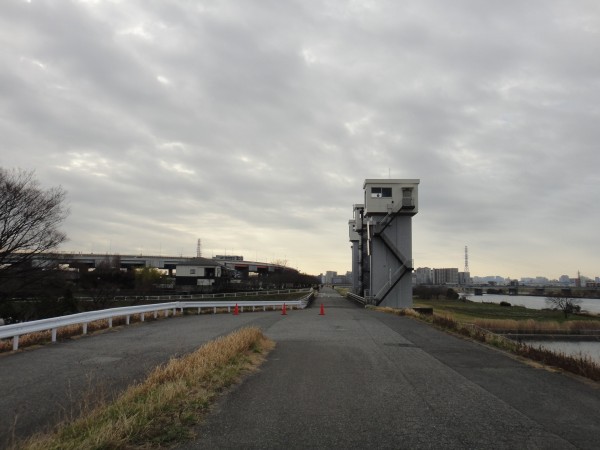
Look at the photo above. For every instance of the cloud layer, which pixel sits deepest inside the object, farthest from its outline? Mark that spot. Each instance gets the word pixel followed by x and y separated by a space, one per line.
pixel 252 125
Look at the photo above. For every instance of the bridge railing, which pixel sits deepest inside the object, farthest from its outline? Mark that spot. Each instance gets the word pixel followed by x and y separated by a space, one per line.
pixel 16 330
pixel 356 298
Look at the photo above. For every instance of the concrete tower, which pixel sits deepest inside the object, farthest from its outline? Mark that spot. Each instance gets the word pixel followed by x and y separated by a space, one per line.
pixel 387 240
pixel 359 257
pixel 355 245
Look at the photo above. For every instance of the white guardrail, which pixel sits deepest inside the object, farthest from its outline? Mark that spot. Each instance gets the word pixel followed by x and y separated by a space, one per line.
pixel 18 329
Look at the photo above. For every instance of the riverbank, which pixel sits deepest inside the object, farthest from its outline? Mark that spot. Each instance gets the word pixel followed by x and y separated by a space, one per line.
pixel 468 311
pixel 578 364
pixel 589 305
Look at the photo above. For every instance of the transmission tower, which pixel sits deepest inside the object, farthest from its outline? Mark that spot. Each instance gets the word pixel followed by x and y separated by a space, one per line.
pixel 199 249
pixel 467 259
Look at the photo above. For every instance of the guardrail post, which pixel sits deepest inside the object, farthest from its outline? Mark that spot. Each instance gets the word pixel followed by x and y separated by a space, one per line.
pixel 156 314
pixel 85 328
pixel 127 319
pixel 229 309
pixel 214 310
pixel 264 308
pixel 174 311
pixel 199 311
pixel 15 343
pixel 110 322
pixel 53 334
pixel 141 317
pixel 166 313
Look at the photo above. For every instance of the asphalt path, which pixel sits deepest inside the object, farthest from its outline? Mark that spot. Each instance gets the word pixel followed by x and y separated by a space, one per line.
pixel 41 386
pixel 352 378
pixel 355 378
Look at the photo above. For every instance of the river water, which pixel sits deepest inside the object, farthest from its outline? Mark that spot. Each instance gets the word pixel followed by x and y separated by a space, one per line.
pixel 574 348
pixel 591 305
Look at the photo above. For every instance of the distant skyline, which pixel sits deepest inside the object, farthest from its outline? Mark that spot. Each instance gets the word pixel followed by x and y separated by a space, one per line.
pixel 252 125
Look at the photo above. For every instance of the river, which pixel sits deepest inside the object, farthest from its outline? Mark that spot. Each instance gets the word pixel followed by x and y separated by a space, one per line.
pixel 573 348
pixel 591 305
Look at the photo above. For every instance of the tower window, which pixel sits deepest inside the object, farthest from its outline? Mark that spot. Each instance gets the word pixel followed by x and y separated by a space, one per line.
pixel 381 192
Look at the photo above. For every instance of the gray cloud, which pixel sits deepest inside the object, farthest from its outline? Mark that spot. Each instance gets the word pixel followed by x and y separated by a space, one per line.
pixel 252 125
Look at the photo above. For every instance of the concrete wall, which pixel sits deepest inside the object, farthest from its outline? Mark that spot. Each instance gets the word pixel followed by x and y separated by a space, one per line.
pixel 384 263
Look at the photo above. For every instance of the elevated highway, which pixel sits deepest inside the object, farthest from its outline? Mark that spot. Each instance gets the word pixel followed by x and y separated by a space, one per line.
pixel 85 261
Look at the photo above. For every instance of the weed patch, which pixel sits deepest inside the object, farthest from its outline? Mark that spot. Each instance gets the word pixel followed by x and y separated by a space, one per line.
pixel 579 365
pixel 164 408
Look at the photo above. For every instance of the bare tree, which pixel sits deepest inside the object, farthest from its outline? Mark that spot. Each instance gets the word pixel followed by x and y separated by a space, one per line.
pixel 565 304
pixel 29 221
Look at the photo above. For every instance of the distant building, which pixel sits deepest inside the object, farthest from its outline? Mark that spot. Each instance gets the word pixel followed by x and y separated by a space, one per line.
pixel 423 275
pixel 329 276
pixel 198 274
pixel 564 279
pixel 491 280
pixel 445 276
pixel 332 277
pixel 464 278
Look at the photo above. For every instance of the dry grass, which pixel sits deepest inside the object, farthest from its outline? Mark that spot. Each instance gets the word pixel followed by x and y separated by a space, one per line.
pixel 395 311
pixel 44 337
pixel 533 326
pixel 579 365
pixel 165 407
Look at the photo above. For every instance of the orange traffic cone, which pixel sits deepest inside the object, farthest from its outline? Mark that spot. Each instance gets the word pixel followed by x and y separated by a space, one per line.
pixel 322 313
pixel 283 311
pixel 236 310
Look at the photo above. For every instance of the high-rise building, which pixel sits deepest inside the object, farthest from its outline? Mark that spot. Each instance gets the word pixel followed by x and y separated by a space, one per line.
pixel 445 276
pixel 423 275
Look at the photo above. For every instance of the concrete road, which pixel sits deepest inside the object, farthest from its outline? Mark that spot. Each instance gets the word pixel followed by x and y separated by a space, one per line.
pixel 362 379
pixel 40 386
pixel 352 378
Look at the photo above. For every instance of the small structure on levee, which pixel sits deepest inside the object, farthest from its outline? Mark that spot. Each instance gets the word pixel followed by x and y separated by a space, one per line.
pixel 381 236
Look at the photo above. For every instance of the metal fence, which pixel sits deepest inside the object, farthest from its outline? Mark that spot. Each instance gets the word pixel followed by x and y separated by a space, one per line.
pixel 171 297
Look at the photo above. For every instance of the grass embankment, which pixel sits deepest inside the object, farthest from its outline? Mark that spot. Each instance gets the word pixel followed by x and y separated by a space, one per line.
pixel 468 311
pixel 163 409
pixel 479 326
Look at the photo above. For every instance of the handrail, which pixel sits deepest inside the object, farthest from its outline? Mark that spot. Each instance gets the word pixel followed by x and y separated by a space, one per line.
pixel 18 329
pixel 356 298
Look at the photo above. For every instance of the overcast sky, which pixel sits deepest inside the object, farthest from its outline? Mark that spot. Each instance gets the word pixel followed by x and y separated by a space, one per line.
pixel 253 124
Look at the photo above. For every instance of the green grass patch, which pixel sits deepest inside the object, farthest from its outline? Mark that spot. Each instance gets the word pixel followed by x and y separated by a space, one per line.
pixel 163 409
pixel 468 311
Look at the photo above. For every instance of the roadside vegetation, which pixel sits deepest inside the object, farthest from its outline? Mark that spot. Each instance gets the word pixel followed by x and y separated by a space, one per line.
pixel 483 321
pixel 165 408
pixel 468 311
